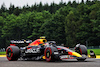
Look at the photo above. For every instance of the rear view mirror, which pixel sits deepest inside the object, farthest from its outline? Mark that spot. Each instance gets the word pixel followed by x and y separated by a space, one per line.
pixel 92 54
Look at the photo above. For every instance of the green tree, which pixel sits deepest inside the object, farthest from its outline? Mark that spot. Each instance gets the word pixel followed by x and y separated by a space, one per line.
pixel 74 4
pixel 54 28
pixel 37 20
pixel 16 11
pixel 8 31
pixel 46 6
pixel 1 25
pixel 11 9
pixel 40 7
pixel 71 28
pixel 3 8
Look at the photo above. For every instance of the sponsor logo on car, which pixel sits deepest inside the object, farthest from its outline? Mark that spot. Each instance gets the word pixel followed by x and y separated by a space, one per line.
pixel 33 50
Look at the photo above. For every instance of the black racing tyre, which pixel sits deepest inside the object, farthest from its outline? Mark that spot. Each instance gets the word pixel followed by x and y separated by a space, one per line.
pixel 81 49
pixel 12 53
pixel 49 54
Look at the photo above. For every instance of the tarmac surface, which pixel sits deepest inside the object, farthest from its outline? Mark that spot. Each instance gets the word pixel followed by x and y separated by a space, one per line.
pixel 65 63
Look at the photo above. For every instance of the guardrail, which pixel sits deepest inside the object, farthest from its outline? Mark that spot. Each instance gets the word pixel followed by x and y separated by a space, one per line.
pixel 93 47
pixel 2 50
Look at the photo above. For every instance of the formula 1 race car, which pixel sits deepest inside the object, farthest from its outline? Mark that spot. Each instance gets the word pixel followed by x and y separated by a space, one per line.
pixel 41 49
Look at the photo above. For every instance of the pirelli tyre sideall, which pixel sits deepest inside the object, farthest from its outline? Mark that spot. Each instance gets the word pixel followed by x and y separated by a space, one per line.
pixel 83 51
pixel 12 53
pixel 51 54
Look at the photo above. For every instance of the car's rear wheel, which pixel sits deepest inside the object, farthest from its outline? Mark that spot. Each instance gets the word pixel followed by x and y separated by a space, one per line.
pixel 51 54
pixel 12 53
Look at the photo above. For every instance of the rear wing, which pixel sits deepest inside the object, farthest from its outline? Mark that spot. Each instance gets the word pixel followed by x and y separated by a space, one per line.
pixel 20 43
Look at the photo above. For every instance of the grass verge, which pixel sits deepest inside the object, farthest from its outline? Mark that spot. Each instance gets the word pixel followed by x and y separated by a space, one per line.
pixel 96 51
pixel 2 53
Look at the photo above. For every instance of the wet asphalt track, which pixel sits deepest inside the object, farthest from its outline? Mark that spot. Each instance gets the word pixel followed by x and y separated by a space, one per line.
pixel 66 63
